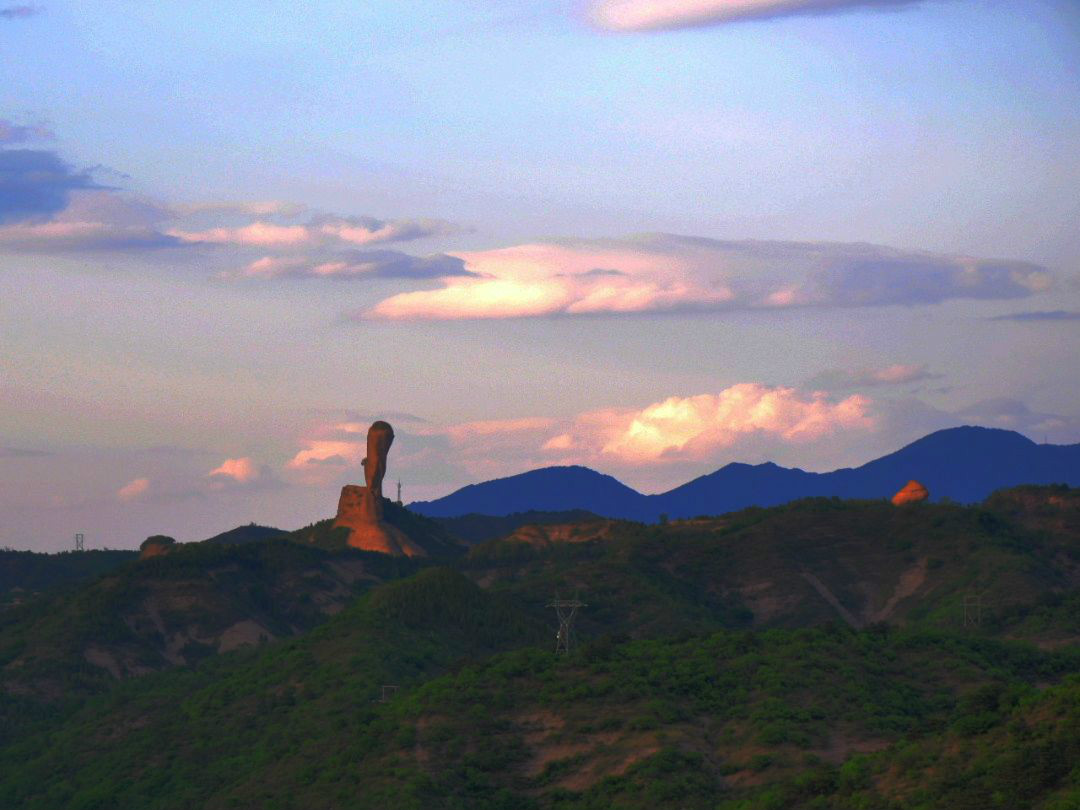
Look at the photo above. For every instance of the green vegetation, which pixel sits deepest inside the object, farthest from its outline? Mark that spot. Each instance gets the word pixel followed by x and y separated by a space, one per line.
pixel 25 573
pixel 814 655
pixel 178 608
pixel 785 718
pixel 482 528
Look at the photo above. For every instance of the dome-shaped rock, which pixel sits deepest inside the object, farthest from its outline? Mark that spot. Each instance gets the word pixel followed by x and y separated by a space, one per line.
pixel 155 546
pixel 913 492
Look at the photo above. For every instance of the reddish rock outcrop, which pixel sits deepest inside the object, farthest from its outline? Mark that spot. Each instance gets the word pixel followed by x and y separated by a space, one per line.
pixel 549 534
pixel 360 508
pixel 912 492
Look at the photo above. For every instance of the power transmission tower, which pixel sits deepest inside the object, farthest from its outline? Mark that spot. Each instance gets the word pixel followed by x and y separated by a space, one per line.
pixel 566 610
pixel 80 542
pixel 388 692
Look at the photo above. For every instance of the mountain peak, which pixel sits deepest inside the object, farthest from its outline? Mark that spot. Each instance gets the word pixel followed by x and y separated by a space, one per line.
pixel 964 463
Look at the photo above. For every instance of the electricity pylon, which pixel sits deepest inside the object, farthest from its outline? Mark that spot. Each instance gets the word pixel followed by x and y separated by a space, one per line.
pixel 566 610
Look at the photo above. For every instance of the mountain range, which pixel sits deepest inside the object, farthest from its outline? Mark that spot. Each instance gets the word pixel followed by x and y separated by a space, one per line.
pixel 963 464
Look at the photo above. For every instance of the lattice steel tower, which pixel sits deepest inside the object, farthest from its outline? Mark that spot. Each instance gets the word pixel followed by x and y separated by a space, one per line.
pixel 80 542
pixel 566 610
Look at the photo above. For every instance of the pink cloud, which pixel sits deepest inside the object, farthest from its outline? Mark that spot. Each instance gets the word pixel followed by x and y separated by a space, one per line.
pixel 257 234
pixel 649 15
pixel 133 489
pixel 79 236
pixel 328 452
pixel 898 373
pixel 320 231
pixel 668 273
pixel 255 208
pixel 895 374
pixel 352 264
pixel 367 231
pixel 744 420
pixel 696 427
pixel 546 279
pixel 242 470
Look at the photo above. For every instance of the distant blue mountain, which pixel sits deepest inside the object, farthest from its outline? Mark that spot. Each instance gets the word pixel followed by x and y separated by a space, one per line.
pixel 965 464
pixel 551 489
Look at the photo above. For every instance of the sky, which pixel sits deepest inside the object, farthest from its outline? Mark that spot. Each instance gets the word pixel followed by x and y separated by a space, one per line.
pixel 652 237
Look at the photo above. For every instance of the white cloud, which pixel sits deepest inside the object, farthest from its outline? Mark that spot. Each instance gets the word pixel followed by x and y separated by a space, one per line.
pixel 662 272
pixel 650 15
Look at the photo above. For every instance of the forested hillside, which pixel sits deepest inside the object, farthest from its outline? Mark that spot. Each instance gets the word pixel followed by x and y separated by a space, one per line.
pixel 822 654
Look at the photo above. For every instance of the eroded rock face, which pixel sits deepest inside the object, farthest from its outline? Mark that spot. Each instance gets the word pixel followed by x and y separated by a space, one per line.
pixel 912 492
pixel 360 508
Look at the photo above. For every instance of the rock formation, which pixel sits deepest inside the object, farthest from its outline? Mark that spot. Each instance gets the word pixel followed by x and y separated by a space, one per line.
pixel 360 509
pixel 155 546
pixel 912 492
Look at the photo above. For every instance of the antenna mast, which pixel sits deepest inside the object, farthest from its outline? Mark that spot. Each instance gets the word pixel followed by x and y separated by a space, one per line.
pixel 399 493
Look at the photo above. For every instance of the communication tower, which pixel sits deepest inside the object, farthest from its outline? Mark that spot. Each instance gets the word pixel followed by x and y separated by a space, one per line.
pixel 399 493
pixel 80 542
pixel 566 610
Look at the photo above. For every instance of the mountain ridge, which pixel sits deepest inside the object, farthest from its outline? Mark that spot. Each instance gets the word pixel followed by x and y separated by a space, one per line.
pixel 964 464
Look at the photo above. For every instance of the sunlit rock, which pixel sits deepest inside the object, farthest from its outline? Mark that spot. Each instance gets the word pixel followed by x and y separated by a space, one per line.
pixel 912 492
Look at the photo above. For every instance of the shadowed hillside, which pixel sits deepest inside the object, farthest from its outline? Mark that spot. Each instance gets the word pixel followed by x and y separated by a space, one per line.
pixel 25 573
pixel 784 719
pixel 820 654
pixel 197 601
pixel 809 562
pixel 475 528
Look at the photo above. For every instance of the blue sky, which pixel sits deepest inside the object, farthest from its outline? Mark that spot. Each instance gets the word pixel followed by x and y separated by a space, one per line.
pixel 538 232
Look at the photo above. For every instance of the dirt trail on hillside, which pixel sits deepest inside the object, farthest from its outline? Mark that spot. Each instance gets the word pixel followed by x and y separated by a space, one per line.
pixel 827 595
pixel 910 581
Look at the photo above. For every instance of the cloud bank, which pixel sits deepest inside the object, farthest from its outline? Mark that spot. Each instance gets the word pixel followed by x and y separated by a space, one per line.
pixel 320 231
pixel 10 132
pixel 1049 315
pixel 654 15
pixel 19 12
pixel 35 184
pixel 666 273
pixel 352 264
